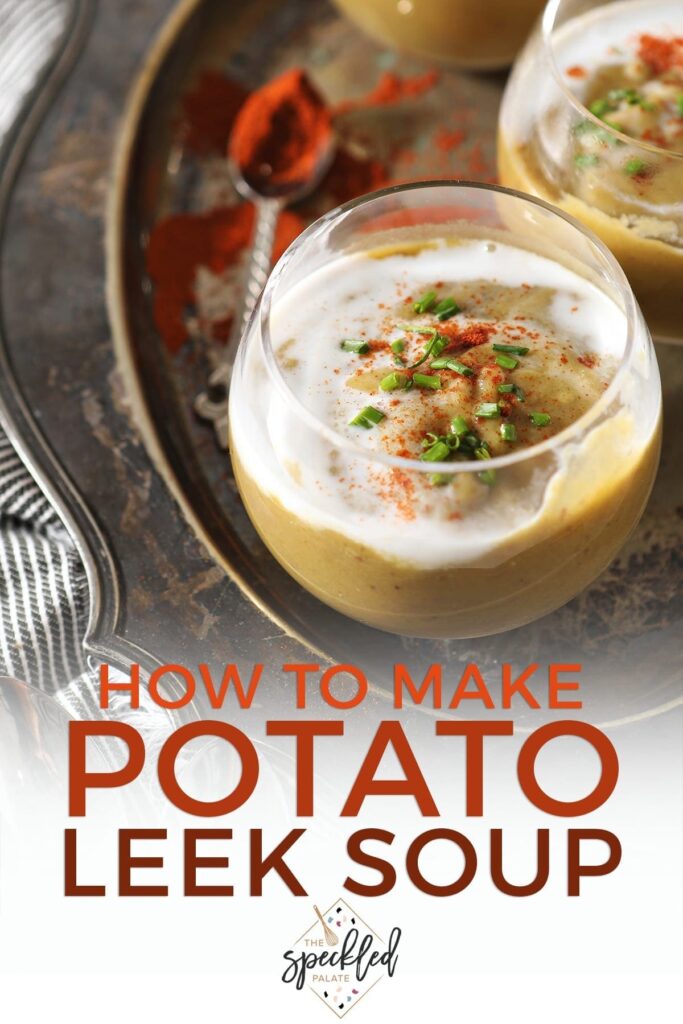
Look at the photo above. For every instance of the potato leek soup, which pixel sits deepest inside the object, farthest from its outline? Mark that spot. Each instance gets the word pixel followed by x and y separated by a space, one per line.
pixel 593 121
pixel 419 440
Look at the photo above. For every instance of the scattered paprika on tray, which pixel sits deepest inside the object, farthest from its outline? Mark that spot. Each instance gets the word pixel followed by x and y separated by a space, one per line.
pixel 275 135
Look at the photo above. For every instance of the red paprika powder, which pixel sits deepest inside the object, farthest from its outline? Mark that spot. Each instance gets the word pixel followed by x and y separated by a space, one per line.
pixel 280 133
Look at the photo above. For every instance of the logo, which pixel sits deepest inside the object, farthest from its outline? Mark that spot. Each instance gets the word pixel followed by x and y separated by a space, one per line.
pixel 340 958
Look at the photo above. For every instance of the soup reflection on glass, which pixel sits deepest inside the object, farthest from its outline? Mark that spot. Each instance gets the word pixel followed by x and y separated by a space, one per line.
pixel 592 121
pixel 445 413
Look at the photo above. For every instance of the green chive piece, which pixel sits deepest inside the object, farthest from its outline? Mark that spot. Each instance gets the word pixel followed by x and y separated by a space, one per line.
pixel 679 104
pixel 600 107
pixel 635 166
pixel 447 363
pixel 398 346
pixel 459 426
pixel 511 389
pixel 590 128
pixel 508 431
pixel 438 452
pixel 424 380
pixel 367 418
pixel 446 309
pixel 632 97
pixel 394 381
pixel 584 128
pixel 514 350
pixel 355 345
pixel 424 304
pixel 507 362
pixel 488 411
pixel 435 347
pixel 586 160
pixel 440 479
pixel 539 419
pixel 488 477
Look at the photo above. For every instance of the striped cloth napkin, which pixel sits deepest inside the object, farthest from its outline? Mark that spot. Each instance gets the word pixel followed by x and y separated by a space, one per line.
pixel 43 587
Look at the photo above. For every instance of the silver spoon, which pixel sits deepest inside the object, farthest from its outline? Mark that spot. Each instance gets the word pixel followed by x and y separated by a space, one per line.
pixel 212 404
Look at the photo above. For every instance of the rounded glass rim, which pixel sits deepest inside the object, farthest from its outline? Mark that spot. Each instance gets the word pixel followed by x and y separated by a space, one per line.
pixel 548 27
pixel 340 441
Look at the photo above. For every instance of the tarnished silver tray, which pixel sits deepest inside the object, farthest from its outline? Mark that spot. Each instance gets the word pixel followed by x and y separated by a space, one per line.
pixel 176 571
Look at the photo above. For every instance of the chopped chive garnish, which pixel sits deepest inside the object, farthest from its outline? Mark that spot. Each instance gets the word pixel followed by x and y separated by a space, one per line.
pixel 446 309
pixel 424 304
pixel 440 479
pixel 635 166
pixel 679 104
pixel 434 348
pixel 586 160
pixel 355 345
pixel 514 389
pixel 600 107
pixel 424 380
pixel 448 363
pixel 539 419
pixel 459 426
pixel 507 362
pixel 632 97
pixel 508 431
pixel 367 418
pixel 398 346
pixel 438 452
pixel 514 350
pixel 590 128
pixel 488 477
pixel 488 411
pixel 394 381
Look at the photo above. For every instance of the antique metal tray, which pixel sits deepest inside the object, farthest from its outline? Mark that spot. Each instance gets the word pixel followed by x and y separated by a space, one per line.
pixel 104 414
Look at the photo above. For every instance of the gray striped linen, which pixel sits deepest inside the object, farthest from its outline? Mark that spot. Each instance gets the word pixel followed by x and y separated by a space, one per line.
pixel 43 588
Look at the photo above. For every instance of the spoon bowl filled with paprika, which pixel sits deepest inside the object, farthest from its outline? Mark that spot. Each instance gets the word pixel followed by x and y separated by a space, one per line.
pixel 280 148
pixel 445 413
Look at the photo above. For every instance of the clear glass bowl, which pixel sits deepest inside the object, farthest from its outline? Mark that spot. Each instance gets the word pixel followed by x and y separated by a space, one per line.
pixel 482 34
pixel 559 511
pixel 550 145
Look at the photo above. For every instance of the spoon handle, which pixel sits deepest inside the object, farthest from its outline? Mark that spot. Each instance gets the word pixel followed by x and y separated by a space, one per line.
pixel 260 259
pixel 213 403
